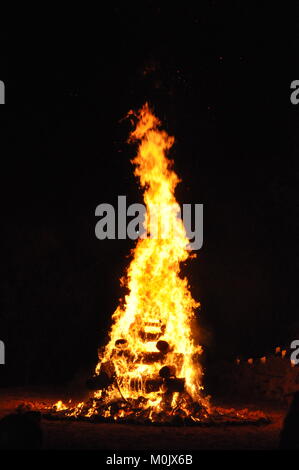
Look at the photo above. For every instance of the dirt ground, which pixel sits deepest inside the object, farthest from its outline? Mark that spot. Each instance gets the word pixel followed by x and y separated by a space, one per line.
pixel 85 435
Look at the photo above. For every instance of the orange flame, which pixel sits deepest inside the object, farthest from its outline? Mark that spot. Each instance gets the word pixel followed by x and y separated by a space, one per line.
pixel 151 356
pixel 159 305
pixel 150 367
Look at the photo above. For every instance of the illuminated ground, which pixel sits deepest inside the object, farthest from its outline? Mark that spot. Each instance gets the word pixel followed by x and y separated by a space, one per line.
pixel 84 435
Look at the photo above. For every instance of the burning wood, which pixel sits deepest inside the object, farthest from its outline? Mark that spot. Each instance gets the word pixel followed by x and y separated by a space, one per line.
pixel 151 352
pixel 149 370
pixel 151 344
pixel 167 371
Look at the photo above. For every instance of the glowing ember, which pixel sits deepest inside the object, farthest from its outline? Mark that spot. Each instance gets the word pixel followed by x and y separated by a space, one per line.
pixel 60 406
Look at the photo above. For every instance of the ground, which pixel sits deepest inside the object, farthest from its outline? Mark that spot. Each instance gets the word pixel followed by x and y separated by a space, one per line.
pixel 85 435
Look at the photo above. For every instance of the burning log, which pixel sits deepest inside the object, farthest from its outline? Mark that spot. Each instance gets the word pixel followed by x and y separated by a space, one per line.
pixel 148 385
pixel 105 377
pixel 167 400
pixel 121 343
pixel 149 357
pixel 163 346
pixel 122 353
pixel 145 336
pixel 167 371
pixel 98 382
pixel 169 385
pixel 153 385
pixel 174 385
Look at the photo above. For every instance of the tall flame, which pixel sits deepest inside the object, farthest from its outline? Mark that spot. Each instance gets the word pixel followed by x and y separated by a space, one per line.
pixel 149 370
pixel 159 305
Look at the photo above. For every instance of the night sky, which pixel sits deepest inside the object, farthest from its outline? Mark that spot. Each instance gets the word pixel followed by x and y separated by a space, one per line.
pixel 218 76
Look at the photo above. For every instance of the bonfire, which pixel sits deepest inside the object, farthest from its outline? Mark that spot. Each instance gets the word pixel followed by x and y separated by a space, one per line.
pixel 150 370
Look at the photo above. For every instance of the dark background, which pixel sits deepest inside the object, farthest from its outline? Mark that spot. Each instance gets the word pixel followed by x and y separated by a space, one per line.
pixel 218 75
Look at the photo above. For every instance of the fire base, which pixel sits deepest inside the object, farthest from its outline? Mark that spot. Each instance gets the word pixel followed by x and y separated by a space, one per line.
pixel 132 413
